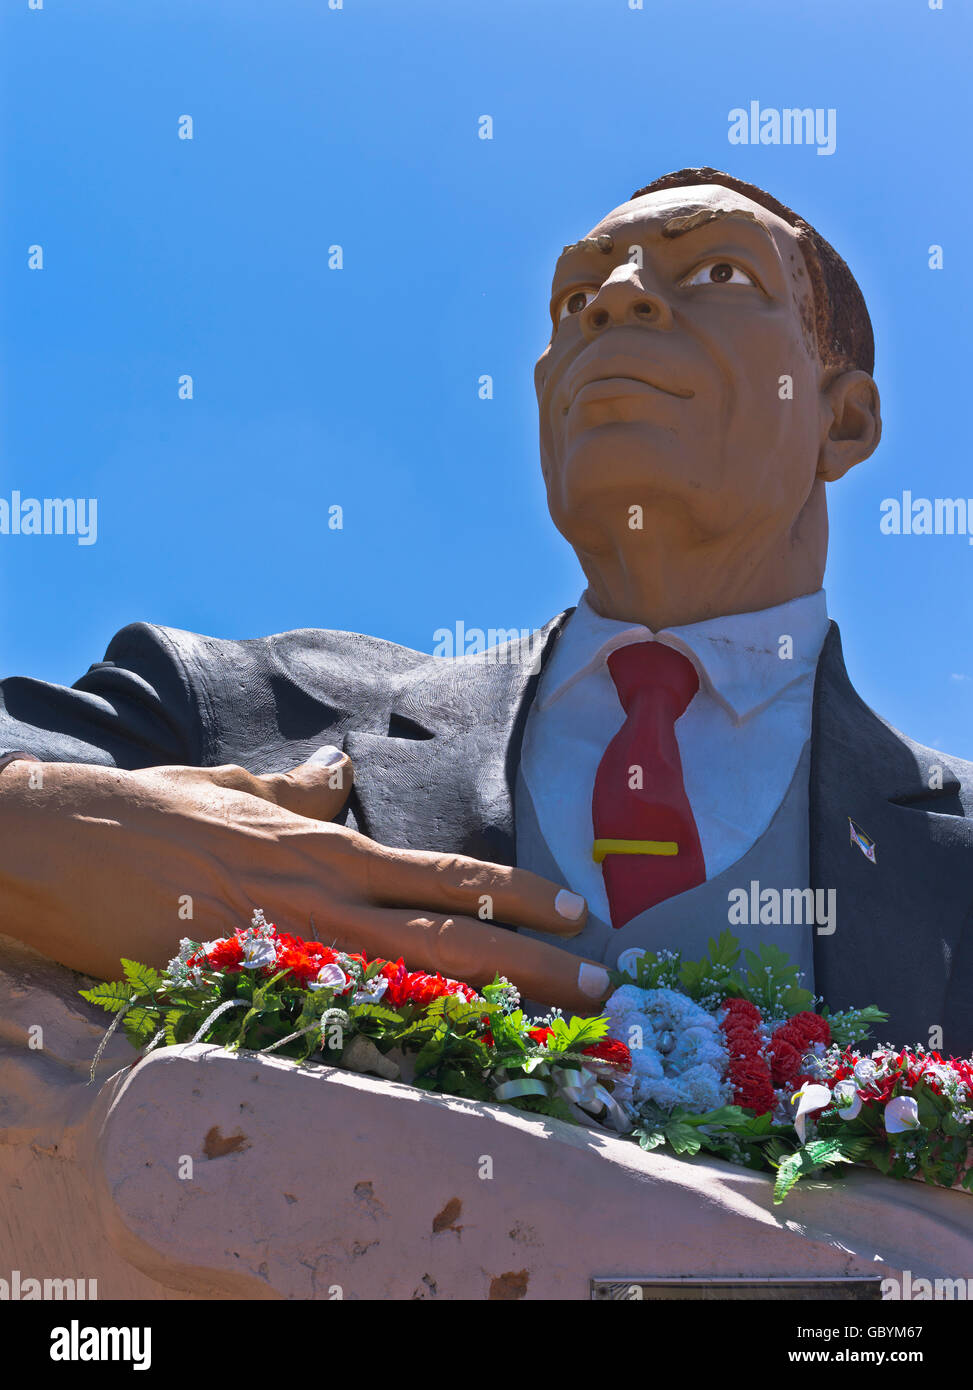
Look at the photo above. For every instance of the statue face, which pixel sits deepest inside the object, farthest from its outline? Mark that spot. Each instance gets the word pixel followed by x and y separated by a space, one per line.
pixel 661 385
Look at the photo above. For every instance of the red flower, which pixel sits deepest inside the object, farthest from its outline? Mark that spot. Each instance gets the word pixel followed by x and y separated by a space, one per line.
pixel 540 1035
pixel 422 989
pixel 752 1087
pixel 610 1050
pixel 748 1072
pixel 397 976
pixel 812 1026
pixel 742 1009
pixel 794 1037
pixel 785 1062
pixel 418 987
pixel 302 958
pixel 226 955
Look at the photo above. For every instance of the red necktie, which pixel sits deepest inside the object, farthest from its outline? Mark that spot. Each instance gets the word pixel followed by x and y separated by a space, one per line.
pixel 655 683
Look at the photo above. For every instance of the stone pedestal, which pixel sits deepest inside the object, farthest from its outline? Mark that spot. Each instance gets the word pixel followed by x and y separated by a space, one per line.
pixel 202 1173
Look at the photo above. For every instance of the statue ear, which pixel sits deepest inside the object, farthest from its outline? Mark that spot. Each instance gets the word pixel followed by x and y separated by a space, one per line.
pixel 852 423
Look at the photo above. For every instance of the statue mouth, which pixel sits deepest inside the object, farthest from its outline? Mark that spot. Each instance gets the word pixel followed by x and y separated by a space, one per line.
pixel 605 387
pixel 615 375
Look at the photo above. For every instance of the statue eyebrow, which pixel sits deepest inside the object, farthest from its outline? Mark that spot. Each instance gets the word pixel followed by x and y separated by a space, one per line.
pixel 675 227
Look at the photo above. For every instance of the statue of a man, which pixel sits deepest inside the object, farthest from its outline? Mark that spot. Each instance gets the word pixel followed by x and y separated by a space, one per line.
pixel 688 753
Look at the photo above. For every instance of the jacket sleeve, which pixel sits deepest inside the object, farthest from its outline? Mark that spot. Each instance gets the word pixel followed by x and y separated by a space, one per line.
pixel 136 708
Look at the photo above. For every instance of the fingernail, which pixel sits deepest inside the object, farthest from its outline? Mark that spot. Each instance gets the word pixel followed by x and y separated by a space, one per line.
pixel 569 905
pixel 593 980
pixel 326 756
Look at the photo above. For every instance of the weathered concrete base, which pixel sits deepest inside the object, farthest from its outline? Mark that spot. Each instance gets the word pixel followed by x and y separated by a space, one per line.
pixel 203 1173
pixel 49 1223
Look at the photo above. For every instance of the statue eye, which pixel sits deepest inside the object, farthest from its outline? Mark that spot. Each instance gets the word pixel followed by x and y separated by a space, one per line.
pixel 719 273
pixel 574 302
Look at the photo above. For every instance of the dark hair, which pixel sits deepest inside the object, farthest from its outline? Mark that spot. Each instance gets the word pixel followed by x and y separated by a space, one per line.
pixel 842 326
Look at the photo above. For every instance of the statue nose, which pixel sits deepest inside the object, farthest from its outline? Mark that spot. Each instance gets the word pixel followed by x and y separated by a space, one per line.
pixel 624 299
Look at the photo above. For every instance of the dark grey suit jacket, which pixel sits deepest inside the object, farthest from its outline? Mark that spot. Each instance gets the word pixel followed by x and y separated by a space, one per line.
pixel 435 745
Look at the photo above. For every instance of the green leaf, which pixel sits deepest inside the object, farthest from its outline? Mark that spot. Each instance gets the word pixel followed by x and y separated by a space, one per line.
pixel 110 997
pixel 431 1053
pixel 576 1033
pixel 726 1115
pixel 806 1160
pixel 172 1021
pixel 139 1025
pixel 650 1138
pixel 142 978
pixel 377 1011
pixel 725 950
pixel 850 1026
pixel 796 1000
pixel 683 1138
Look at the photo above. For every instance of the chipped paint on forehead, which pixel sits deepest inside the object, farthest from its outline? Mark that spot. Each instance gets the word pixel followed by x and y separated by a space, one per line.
pixel 676 226
pixel 603 243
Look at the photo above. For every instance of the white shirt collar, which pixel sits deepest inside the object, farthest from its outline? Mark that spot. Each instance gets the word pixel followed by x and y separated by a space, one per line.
pixel 741 659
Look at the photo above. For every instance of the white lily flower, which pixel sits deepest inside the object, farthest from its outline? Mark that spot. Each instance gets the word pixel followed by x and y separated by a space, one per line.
pixel 257 951
pixel 847 1091
pixel 330 977
pixel 811 1096
pixel 371 991
pixel 901 1114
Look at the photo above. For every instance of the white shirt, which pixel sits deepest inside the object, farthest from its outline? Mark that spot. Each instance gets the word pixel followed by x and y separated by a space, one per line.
pixel 740 738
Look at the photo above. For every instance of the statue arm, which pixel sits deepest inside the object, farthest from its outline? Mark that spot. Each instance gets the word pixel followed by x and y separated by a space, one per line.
pixel 136 708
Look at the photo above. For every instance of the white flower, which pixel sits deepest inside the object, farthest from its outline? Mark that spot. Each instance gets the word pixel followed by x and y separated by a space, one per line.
pixel 371 991
pixel 848 1091
pixel 258 950
pixel 901 1114
pixel 811 1097
pixel 865 1071
pixel 178 971
pixel 330 977
pixel 628 961
pixel 676 1047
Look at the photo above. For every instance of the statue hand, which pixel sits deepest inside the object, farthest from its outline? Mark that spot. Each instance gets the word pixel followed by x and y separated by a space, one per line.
pixel 99 863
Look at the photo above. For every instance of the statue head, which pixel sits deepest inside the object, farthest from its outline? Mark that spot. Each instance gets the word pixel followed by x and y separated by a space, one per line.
pixel 709 370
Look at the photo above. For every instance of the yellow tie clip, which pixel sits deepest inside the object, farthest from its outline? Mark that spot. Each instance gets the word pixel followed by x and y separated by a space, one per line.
pixel 602 847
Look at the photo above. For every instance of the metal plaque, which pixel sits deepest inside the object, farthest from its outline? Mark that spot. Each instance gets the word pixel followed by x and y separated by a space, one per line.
pixel 860 1287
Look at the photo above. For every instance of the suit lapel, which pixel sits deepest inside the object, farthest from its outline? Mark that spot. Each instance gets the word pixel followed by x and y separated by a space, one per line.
pixel 447 785
pixel 897 919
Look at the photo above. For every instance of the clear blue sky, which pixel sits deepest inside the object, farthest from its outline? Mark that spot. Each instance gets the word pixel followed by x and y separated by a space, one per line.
pixel 316 387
